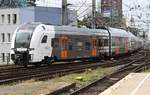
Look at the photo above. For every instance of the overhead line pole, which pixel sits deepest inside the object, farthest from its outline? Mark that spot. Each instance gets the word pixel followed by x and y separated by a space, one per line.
pixel 93 13
pixel 111 14
pixel 64 13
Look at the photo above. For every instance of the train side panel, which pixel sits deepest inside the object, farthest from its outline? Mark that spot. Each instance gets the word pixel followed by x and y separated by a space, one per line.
pixel 74 46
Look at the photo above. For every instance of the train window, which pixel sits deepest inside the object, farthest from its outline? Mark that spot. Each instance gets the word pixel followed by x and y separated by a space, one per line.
pixel 70 47
pixel 100 42
pixel 52 43
pixel 105 42
pixel 44 40
pixel 87 45
pixel 113 41
pixel 55 42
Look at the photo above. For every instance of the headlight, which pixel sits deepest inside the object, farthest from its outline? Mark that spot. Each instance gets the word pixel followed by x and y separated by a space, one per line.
pixel 21 49
pixel 30 49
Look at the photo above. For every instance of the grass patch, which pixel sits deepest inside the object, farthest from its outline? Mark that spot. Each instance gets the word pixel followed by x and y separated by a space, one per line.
pixel 27 93
pixel 85 77
pixel 147 70
pixel 16 83
pixel 30 87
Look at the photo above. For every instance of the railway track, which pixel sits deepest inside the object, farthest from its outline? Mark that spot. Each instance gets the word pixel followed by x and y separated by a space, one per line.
pixel 4 68
pixel 46 72
pixel 14 69
pixel 103 83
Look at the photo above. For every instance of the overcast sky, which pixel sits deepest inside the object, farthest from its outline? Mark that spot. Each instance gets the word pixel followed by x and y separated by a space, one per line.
pixel 81 5
pixel 80 2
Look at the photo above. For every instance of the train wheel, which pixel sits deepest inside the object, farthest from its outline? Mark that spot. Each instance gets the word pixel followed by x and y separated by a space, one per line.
pixel 49 63
pixel 15 62
pixel 25 65
pixel 38 65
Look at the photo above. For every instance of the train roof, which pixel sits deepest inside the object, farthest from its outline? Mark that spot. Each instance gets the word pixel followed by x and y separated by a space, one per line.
pixel 118 32
pixel 86 31
pixel 82 31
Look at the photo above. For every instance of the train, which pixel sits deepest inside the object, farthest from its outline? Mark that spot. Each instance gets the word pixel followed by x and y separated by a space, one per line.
pixel 38 43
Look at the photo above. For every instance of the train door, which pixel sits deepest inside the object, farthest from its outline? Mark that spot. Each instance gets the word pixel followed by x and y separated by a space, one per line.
pixel 126 45
pixel 64 49
pixel 44 47
pixel 100 46
pixel 94 49
pixel 117 45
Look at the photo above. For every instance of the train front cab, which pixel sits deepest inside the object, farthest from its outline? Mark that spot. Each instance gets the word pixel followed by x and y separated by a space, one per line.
pixel 27 41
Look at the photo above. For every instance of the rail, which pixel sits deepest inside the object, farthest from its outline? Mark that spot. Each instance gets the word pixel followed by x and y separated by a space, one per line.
pixel 106 81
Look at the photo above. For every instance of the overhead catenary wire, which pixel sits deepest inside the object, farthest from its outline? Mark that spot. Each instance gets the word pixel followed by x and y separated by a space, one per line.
pixel 82 16
pixel 79 9
pixel 82 5
pixel 84 11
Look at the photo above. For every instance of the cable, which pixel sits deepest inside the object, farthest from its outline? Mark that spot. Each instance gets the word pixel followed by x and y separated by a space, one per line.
pixel 82 5
pixel 81 16
pixel 84 11
pixel 57 4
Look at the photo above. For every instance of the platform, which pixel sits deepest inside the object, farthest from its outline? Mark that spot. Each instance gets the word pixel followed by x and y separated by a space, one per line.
pixel 133 84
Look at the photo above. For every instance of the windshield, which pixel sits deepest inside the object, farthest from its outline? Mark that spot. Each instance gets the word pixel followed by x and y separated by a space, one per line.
pixel 23 39
pixel 24 35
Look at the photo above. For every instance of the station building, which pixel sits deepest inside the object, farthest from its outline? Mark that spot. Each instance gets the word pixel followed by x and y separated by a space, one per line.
pixel 11 18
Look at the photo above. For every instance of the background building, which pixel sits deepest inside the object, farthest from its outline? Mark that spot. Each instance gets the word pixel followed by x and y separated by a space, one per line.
pixel 113 10
pixel 11 18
